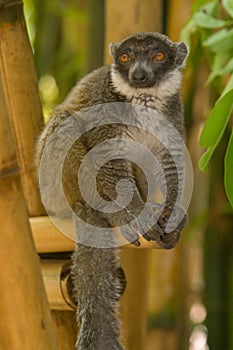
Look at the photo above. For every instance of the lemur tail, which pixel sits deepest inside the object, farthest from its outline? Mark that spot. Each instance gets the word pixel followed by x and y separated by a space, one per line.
pixel 98 284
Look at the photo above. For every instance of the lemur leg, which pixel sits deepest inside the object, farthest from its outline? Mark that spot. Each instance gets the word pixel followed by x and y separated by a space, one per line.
pixel 169 218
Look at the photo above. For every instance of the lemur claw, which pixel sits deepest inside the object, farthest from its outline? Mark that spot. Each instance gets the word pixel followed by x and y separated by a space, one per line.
pixel 165 226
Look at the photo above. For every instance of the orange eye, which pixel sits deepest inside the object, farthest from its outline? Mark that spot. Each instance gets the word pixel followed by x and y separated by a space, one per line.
pixel 159 56
pixel 124 58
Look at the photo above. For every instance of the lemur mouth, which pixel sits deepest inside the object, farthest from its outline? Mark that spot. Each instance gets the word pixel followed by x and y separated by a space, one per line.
pixel 141 85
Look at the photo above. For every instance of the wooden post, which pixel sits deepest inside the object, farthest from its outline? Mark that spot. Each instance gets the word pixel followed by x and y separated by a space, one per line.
pixel 25 321
pixel 25 114
pixel 134 301
pixel 65 322
pixel 124 18
pixel 179 263
pixel 20 88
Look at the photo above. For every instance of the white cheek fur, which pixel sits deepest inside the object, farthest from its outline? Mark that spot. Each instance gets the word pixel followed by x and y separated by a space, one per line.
pixel 161 91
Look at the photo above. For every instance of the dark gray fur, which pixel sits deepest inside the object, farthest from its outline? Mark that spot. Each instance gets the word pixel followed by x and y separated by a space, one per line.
pixel 95 271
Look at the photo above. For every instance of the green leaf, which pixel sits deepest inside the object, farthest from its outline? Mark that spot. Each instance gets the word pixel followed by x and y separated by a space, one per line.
pixel 227 69
pixel 215 126
pixel 221 41
pixel 205 158
pixel 187 31
pixel 197 4
pixel 205 5
pixel 228 5
pixel 218 118
pixel 219 61
pixel 229 86
pixel 228 175
pixel 204 20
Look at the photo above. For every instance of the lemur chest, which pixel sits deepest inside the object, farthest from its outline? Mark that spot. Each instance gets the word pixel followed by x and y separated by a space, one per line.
pixel 148 116
pixel 147 100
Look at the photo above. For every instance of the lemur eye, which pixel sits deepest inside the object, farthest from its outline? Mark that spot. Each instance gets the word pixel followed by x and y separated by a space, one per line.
pixel 159 56
pixel 124 58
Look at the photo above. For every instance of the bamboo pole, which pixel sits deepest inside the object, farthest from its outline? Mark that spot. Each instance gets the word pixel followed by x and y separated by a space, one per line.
pixel 49 238
pixel 25 321
pixel 57 284
pixel 23 104
pixel 65 322
pixel 20 87
pixel 124 18
pixel 180 261
pixel 134 301
pixel 129 17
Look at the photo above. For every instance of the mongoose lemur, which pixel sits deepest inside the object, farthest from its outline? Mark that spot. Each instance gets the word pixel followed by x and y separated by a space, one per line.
pixel 146 72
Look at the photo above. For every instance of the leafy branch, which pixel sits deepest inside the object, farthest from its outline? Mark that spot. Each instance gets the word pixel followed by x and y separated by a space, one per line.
pixel 211 27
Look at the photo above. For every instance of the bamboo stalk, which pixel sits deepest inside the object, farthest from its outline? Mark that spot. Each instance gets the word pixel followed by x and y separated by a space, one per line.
pixel 65 323
pixel 25 321
pixel 20 88
pixel 49 239
pixel 23 104
pixel 134 301
pixel 57 284
pixel 133 16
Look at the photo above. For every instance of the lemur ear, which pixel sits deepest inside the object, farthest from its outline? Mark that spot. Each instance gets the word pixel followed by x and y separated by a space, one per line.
pixel 112 49
pixel 182 53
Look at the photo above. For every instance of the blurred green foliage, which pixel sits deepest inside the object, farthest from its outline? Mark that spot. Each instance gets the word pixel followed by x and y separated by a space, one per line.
pixel 209 32
pixel 58 33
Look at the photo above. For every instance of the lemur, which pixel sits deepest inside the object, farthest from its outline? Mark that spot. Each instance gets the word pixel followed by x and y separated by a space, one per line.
pixel 146 71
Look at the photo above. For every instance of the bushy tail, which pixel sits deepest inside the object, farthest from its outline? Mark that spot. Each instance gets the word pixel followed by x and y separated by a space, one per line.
pixel 98 284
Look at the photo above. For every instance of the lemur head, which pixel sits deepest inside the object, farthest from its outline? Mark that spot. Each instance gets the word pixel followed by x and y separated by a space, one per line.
pixel 146 60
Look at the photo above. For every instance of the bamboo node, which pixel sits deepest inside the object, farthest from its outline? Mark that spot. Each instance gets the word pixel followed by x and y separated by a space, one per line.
pixel 9 171
pixel 66 286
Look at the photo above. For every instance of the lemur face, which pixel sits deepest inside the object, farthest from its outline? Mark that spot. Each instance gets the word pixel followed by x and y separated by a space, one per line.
pixel 144 60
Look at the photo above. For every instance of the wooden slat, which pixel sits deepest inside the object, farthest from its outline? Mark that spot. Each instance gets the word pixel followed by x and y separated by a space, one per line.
pixel 49 239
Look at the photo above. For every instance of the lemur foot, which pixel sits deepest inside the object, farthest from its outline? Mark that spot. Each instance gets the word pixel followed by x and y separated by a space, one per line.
pixel 162 226
pixel 172 221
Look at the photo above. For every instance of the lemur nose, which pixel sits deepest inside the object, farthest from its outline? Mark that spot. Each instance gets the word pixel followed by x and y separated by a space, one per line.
pixel 139 76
